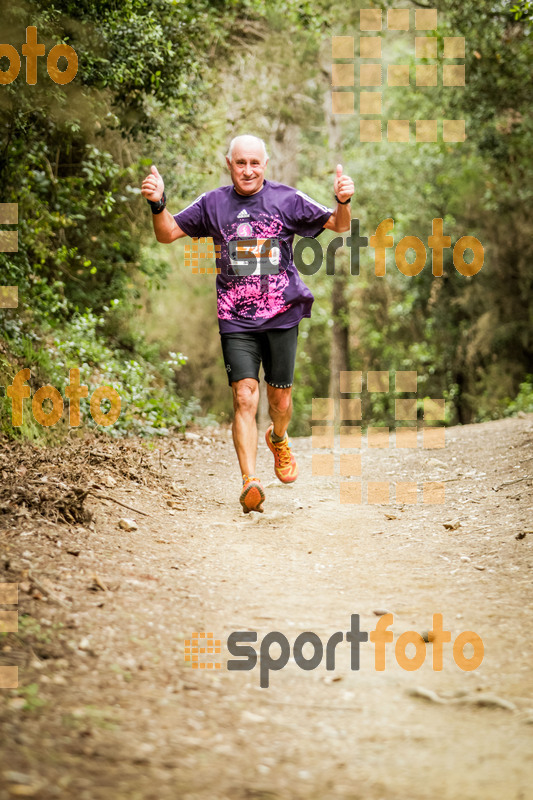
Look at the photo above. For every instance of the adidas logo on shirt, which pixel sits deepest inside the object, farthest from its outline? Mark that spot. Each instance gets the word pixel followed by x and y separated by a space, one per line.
pixel 242 214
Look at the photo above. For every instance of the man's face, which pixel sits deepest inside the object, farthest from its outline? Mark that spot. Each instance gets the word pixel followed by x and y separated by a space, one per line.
pixel 247 168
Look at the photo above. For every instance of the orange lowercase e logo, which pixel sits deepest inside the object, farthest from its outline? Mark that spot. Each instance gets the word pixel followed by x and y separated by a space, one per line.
pixel 202 644
pixel 193 253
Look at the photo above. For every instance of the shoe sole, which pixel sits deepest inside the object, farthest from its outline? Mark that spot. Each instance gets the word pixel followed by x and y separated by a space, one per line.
pixel 252 499
pixel 272 450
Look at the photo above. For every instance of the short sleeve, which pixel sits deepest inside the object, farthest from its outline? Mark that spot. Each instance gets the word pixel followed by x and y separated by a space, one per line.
pixel 192 220
pixel 309 216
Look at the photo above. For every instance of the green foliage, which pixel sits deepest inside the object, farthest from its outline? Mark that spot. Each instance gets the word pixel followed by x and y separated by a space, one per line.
pixel 522 9
pixel 168 82
pixel 149 405
pixel 30 693
pixel 72 158
pixel 523 400
pixel 65 159
pixel 469 339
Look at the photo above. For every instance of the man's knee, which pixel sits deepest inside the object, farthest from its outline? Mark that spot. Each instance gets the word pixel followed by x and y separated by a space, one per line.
pixel 279 399
pixel 245 395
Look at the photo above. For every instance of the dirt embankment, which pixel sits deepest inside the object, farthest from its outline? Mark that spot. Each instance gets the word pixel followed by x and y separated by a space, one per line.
pixel 107 708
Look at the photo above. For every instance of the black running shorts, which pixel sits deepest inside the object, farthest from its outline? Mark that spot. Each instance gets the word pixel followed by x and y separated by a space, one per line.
pixel 244 352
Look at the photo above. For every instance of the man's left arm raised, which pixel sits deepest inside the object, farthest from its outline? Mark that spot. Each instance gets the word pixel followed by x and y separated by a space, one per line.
pixel 344 189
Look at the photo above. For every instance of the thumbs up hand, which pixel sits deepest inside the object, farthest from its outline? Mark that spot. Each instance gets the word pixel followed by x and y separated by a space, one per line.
pixel 343 185
pixel 153 186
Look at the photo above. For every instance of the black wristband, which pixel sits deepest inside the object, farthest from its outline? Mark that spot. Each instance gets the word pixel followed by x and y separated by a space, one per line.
pixel 159 205
pixel 340 201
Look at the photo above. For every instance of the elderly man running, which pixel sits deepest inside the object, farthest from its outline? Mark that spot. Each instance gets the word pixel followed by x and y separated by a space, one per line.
pixel 260 295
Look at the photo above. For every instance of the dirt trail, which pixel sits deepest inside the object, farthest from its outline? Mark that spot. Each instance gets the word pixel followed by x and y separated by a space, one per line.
pixel 117 713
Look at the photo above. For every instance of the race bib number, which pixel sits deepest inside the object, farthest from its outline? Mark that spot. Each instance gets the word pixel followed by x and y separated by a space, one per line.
pixel 253 257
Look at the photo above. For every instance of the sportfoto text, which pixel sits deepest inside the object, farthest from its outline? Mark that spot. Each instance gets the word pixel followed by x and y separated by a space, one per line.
pixel 380 637
pixel 265 260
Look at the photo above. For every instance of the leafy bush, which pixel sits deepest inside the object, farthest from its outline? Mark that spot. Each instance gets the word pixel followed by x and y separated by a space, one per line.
pixel 149 404
pixel 523 400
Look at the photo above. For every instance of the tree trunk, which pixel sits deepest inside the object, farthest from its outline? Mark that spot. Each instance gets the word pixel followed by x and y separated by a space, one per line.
pixel 340 313
pixel 339 360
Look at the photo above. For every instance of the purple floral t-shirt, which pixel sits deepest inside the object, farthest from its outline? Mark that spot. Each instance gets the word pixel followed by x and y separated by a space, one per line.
pixel 258 286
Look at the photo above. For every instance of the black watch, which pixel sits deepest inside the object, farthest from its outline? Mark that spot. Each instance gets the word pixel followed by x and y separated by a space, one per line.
pixel 341 203
pixel 159 205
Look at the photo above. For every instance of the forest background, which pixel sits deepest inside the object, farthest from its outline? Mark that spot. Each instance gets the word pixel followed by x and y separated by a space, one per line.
pixel 170 82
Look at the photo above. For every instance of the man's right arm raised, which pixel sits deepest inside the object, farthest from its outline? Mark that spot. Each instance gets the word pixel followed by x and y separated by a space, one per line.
pixel 166 228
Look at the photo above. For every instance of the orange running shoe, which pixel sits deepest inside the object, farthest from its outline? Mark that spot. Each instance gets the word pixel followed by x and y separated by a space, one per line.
pixel 285 465
pixel 252 495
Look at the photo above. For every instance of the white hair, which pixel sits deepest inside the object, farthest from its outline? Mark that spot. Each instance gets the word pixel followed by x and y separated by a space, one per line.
pixel 241 139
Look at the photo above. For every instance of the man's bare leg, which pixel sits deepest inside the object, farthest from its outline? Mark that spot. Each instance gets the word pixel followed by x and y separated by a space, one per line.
pixel 279 408
pixel 245 402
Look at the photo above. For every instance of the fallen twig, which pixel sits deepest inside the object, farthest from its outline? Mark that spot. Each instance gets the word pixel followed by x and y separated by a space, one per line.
pixel 517 480
pixel 42 588
pixel 119 502
pixel 313 705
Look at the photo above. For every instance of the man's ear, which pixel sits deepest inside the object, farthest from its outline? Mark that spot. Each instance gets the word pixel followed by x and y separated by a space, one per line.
pixel 228 162
pixel 266 162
